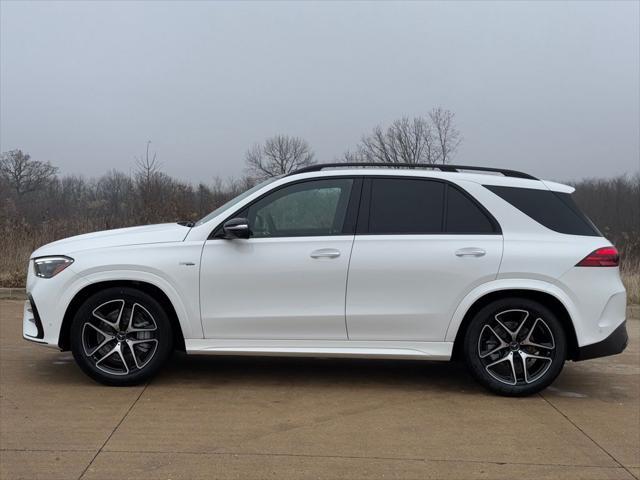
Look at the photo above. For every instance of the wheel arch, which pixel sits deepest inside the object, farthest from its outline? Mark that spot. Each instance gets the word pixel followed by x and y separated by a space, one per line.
pixel 543 297
pixel 64 339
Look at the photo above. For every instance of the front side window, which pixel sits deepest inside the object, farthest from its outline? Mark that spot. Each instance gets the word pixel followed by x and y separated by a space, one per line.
pixel 313 208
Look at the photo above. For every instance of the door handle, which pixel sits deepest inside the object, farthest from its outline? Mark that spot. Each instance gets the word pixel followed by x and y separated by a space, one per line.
pixel 325 253
pixel 470 252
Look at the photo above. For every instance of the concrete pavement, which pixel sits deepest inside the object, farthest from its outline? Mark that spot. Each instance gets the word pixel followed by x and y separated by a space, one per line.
pixel 222 417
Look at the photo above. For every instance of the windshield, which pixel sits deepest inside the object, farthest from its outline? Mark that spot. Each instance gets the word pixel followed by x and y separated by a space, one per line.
pixel 236 200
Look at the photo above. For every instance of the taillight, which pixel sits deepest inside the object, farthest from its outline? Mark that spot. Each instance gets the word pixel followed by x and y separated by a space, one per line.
pixel 602 257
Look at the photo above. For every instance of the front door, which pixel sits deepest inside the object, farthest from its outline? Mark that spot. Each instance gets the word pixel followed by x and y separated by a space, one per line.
pixel 288 280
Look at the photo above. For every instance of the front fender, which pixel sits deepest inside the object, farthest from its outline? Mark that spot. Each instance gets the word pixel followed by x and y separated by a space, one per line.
pixel 190 325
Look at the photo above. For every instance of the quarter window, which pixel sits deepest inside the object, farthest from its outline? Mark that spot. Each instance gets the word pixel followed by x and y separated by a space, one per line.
pixel 555 210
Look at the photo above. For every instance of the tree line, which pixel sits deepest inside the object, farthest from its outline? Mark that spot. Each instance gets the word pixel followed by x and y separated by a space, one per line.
pixel 37 205
pixel 32 191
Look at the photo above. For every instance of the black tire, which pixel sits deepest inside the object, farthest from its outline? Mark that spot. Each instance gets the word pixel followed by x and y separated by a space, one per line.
pixel 533 364
pixel 142 340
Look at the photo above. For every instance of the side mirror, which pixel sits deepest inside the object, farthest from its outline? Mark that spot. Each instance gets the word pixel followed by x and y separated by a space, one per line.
pixel 236 228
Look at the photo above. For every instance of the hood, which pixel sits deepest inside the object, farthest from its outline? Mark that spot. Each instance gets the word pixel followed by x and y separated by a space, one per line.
pixel 161 233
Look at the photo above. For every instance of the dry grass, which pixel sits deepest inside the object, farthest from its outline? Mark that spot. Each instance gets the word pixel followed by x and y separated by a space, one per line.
pixel 630 266
pixel 630 273
pixel 18 241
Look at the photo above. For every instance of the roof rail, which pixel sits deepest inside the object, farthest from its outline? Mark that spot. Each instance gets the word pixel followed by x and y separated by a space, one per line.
pixel 442 167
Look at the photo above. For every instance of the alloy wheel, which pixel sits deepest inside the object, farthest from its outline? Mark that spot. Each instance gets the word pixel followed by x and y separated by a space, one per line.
pixel 516 347
pixel 120 337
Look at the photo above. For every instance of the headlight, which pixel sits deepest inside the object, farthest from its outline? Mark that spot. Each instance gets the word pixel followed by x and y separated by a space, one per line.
pixel 47 267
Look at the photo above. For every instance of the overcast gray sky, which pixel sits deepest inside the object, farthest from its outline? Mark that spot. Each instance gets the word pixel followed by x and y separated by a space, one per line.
pixel 551 88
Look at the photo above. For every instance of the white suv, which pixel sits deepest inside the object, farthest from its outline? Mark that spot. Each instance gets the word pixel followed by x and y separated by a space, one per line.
pixel 345 260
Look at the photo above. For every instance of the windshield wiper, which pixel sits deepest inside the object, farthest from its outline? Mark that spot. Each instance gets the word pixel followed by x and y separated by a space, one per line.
pixel 186 223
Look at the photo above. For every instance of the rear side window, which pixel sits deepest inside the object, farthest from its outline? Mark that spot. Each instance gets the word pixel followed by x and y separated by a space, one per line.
pixel 464 215
pixel 556 211
pixel 403 206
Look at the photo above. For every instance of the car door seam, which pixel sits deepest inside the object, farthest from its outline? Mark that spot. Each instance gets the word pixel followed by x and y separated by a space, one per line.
pixel 346 286
pixel 204 245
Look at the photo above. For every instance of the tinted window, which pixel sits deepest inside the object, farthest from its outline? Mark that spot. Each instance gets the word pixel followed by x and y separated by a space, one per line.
pixel 304 209
pixel 464 215
pixel 405 206
pixel 556 211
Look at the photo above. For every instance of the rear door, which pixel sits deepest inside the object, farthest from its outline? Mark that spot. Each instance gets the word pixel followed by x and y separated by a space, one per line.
pixel 421 246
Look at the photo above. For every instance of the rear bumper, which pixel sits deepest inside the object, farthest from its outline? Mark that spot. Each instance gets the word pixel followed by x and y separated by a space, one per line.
pixel 615 343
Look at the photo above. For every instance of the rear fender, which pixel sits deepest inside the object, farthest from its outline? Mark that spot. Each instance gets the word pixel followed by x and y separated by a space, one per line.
pixel 508 284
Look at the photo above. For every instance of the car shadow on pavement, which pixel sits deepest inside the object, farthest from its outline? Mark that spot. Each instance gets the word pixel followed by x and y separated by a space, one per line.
pixel 348 373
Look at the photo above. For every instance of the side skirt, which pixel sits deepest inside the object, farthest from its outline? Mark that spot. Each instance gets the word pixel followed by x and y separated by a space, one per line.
pixel 322 348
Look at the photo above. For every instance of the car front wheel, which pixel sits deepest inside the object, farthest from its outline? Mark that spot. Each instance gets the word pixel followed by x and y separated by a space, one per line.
pixel 515 346
pixel 121 336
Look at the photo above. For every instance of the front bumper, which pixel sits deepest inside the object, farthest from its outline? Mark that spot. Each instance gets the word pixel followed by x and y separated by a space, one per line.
pixel 615 343
pixel 31 323
pixel 48 301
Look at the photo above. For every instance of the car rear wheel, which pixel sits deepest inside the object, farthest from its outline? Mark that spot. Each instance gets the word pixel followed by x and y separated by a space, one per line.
pixel 515 347
pixel 121 336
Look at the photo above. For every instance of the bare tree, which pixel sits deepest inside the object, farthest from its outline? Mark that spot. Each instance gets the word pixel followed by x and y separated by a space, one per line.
pixel 147 167
pixel 150 181
pixel 115 190
pixel 404 141
pixel 23 174
pixel 279 155
pixel 431 139
pixel 447 135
